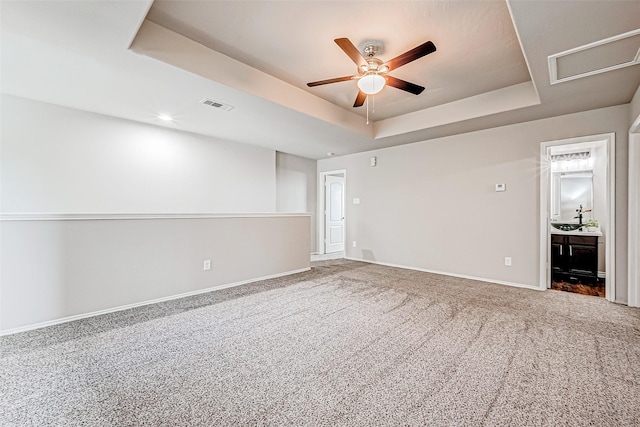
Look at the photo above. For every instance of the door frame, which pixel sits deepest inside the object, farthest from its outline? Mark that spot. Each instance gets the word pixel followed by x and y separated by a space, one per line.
pixel 610 217
pixel 633 263
pixel 322 208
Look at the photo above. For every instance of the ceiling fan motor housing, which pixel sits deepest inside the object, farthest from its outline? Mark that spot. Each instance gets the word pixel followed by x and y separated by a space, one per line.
pixel 373 65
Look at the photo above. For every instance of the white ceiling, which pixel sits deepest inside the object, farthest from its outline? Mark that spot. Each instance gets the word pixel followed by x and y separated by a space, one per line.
pixel 490 68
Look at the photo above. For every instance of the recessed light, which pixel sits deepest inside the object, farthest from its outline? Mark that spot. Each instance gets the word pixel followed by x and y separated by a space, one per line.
pixel 165 117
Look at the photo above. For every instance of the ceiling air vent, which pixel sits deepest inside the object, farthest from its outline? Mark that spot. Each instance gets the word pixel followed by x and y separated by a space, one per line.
pixel 216 104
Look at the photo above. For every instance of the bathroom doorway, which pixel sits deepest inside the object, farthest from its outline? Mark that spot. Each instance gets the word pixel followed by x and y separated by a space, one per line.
pixel 577 215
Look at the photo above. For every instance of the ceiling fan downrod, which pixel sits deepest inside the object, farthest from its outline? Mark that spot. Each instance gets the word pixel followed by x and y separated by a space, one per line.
pixel 370 50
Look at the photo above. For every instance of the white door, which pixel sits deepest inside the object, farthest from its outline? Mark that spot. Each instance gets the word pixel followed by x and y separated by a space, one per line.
pixel 334 214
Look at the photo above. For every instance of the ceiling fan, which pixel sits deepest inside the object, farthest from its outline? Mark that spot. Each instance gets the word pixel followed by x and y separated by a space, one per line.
pixel 372 72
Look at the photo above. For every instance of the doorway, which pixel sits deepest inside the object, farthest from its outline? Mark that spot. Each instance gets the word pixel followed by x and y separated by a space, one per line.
pixel 572 160
pixel 331 236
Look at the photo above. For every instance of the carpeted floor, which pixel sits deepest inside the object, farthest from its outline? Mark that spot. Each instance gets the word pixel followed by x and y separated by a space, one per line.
pixel 346 343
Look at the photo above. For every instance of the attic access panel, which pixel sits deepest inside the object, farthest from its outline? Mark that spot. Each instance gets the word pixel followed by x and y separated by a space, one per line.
pixel 594 58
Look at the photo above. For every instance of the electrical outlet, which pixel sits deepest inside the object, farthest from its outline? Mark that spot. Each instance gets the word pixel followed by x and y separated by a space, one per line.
pixel 207 265
pixel 507 261
pixel 355 244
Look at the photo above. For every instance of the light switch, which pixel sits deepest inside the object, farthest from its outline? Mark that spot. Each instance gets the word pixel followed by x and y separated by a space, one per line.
pixel 501 187
pixel 356 201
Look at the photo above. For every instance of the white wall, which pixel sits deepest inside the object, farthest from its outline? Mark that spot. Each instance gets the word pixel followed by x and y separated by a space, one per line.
pixel 432 205
pixel 600 201
pixel 56 159
pixel 296 189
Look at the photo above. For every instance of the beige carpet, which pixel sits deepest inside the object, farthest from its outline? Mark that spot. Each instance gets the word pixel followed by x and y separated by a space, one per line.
pixel 347 343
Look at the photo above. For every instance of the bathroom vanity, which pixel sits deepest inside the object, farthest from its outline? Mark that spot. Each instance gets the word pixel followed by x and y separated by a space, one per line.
pixel 574 256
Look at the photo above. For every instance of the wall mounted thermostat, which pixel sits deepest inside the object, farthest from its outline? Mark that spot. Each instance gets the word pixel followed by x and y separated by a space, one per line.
pixel 501 187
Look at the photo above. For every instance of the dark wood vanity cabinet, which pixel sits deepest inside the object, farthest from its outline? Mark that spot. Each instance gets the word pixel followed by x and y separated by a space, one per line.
pixel 574 258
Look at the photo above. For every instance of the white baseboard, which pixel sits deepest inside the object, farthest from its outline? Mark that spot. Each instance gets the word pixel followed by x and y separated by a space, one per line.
pixel 444 273
pixel 139 304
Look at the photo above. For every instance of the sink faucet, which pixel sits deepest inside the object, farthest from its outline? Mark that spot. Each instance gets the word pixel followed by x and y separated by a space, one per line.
pixel 579 215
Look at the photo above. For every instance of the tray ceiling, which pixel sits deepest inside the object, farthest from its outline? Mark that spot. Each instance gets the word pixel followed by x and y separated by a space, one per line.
pixel 478 49
pixel 138 59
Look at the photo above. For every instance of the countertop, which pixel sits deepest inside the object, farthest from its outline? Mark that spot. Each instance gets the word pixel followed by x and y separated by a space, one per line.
pixel 554 230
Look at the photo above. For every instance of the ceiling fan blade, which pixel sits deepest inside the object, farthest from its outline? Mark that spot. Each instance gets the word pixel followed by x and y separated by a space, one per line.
pixel 351 51
pixel 411 55
pixel 360 99
pixel 325 82
pixel 404 85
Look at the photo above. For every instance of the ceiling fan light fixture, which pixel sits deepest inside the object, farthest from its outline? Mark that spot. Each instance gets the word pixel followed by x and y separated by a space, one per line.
pixel 371 83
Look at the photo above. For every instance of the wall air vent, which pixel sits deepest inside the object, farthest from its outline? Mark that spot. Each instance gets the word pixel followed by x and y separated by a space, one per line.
pixel 216 104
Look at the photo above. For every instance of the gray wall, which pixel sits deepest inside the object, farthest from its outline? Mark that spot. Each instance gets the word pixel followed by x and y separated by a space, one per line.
pixel 60 160
pixel 634 200
pixel 53 269
pixel 432 205
pixel 296 188
pixel 56 159
pixel 634 110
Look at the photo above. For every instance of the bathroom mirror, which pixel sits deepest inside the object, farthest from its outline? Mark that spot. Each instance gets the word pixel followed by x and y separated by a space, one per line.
pixel 569 191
